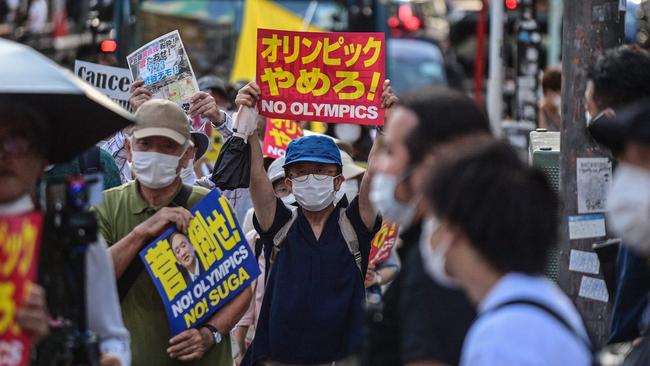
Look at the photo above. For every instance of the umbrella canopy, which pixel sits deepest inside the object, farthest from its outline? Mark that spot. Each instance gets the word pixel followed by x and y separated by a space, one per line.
pixel 78 114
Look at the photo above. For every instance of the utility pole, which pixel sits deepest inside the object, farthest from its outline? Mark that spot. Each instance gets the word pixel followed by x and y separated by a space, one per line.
pixel 495 77
pixel 590 27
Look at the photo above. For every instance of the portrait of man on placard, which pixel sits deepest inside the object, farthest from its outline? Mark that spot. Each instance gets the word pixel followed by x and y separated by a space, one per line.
pixel 187 262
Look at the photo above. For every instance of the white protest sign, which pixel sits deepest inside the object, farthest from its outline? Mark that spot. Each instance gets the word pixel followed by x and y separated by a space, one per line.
pixel 114 82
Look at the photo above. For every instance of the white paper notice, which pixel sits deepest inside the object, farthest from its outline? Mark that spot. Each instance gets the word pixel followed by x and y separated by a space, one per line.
pixel 594 177
pixel 581 261
pixel 594 289
pixel 586 226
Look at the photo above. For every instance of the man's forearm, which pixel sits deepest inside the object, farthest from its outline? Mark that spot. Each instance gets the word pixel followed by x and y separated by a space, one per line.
pixel 261 189
pixel 366 209
pixel 125 250
pixel 227 317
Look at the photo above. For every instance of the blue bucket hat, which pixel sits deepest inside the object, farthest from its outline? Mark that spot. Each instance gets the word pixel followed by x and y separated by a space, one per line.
pixel 313 149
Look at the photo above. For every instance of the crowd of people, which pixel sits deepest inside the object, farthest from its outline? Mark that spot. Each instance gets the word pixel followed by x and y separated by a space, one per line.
pixel 465 285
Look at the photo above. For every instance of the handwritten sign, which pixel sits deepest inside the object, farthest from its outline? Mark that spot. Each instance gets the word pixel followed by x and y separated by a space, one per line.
pixel 279 133
pixel 19 245
pixel 165 68
pixel 383 243
pixel 198 273
pixel 329 77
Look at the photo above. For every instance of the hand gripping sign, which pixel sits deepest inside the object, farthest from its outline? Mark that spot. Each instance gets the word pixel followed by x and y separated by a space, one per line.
pixel 19 244
pixel 329 77
pixel 198 273
pixel 279 133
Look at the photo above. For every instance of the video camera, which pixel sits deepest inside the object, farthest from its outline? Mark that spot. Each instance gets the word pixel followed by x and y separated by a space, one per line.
pixel 69 229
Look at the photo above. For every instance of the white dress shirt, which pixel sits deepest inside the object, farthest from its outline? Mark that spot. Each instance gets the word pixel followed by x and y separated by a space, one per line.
pixel 104 314
pixel 522 334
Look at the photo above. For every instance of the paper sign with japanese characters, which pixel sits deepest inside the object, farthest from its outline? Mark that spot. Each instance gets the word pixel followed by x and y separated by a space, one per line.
pixel 279 133
pixel 19 245
pixel 165 68
pixel 198 273
pixel 328 77
pixel 383 243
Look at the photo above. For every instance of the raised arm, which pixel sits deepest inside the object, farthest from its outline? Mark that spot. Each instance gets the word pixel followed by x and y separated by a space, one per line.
pixel 261 189
pixel 366 209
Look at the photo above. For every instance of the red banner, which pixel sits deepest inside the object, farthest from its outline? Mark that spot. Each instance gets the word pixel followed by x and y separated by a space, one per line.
pixel 19 244
pixel 383 242
pixel 279 133
pixel 329 77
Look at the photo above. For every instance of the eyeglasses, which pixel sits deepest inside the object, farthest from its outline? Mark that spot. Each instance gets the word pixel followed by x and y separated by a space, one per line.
pixel 318 177
pixel 15 145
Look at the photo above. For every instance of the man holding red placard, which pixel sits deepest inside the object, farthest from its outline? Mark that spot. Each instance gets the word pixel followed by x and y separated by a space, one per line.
pixel 312 312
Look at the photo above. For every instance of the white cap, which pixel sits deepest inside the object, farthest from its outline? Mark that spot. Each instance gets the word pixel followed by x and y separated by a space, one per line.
pixel 350 169
pixel 276 171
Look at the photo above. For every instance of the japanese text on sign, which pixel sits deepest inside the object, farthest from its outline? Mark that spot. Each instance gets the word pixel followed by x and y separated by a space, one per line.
pixel 332 77
pixel 279 133
pixel 196 274
pixel 383 242
pixel 19 243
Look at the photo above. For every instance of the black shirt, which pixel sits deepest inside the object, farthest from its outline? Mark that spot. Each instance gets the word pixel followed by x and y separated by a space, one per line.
pixel 422 321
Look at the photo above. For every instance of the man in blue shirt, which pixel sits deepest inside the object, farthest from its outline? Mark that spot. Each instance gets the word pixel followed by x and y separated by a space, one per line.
pixel 312 313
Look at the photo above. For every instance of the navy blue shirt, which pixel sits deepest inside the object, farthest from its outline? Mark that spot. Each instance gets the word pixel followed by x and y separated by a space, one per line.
pixel 313 307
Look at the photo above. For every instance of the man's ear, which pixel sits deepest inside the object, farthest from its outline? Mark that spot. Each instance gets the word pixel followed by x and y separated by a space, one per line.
pixel 337 182
pixel 189 154
pixel 127 148
pixel 289 184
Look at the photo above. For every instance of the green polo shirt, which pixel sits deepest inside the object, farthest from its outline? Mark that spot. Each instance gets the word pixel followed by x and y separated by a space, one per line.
pixel 142 309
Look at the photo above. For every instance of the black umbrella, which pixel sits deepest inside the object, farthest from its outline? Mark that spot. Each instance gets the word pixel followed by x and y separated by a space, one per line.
pixel 233 167
pixel 78 114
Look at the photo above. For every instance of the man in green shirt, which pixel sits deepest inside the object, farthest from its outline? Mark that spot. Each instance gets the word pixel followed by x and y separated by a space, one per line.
pixel 134 214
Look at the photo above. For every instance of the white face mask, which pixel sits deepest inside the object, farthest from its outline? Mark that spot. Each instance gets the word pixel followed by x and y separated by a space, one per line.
pixel 628 206
pixel 314 193
pixel 382 196
pixel 155 170
pixel 289 200
pixel 347 132
pixel 188 176
pixel 349 188
pixel 434 260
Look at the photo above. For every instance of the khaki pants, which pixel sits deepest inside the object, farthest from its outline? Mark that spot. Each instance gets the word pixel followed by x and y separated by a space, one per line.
pixel 348 361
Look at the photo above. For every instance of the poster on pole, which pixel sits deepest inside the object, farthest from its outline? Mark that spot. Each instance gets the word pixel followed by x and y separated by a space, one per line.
pixel 279 133
pixel 322 76
pixel 114 82
pixel 383 242
pixel 165 68
pixel 20 238
pixel 594 177
pixel 199 272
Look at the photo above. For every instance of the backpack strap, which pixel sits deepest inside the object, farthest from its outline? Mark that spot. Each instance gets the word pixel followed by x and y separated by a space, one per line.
pixel 279 237
pixel 351 239
pixel 560 319
pixel 89 161
pixel 136 267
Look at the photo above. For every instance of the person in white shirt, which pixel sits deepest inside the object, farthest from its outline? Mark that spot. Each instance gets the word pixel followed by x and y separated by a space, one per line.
pixel 493 220
pixel 23 151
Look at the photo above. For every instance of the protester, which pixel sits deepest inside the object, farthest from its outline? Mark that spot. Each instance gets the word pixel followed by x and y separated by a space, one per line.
pixel 137 212
pixel 353 175
pixel 200 142
pixel 115 146
pixel 493 221
pixel 628 201
pixel 216 87
pixel 618 78
pixel 95 160
pixel 415 327
pixel 24 148
pixel 549 108
pixel 312 310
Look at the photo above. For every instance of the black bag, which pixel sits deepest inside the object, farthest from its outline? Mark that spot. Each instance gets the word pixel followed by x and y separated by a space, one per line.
pixel 233 167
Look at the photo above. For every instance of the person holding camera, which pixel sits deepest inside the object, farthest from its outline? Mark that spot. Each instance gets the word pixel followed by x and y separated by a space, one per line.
pixel 24 136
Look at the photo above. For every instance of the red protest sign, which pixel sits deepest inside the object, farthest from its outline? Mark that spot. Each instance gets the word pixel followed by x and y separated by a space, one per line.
pixel 279 133
pixel 19 244
pixel 383 243
pixel 329 77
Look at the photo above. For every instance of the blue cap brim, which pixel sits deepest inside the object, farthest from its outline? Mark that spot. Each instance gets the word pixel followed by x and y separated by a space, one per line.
pixel 313 159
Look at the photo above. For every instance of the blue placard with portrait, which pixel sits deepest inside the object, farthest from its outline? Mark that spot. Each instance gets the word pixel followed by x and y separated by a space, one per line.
pixel 199 272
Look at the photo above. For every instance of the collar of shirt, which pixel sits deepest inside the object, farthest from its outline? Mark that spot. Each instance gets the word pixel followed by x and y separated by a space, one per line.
pixel 139 205
pixel 20 206
pixel 513 286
